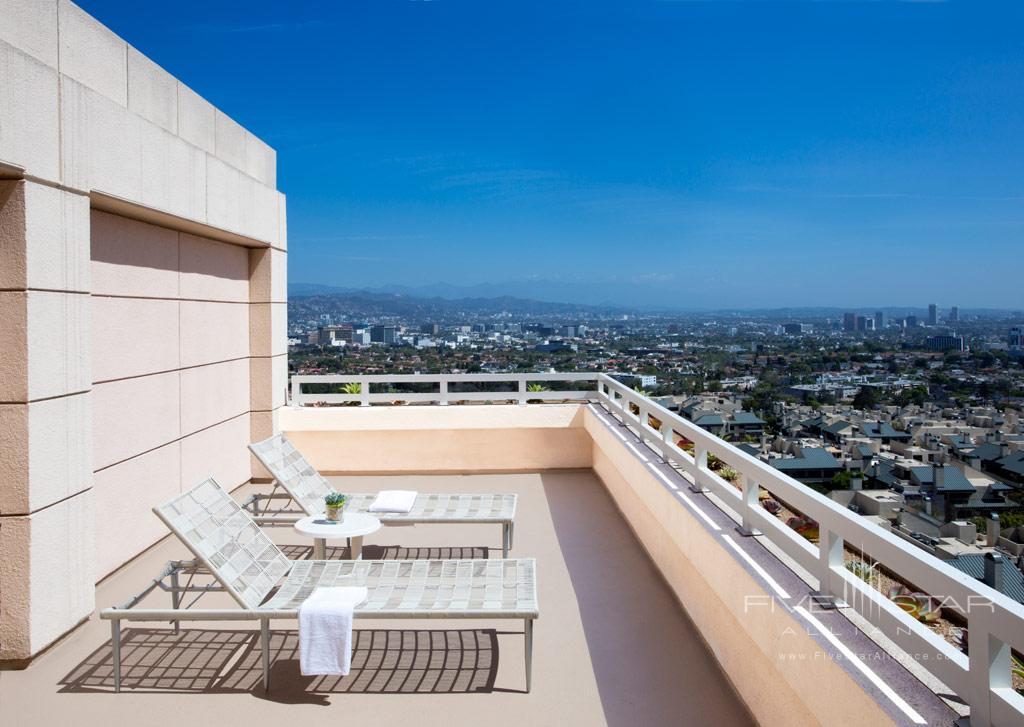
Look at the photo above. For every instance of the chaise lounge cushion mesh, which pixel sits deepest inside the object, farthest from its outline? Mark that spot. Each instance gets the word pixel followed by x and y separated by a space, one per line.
pixel 218 532
pixel 442 507
pixel 419 588
pixel 308 487
pixel 249 565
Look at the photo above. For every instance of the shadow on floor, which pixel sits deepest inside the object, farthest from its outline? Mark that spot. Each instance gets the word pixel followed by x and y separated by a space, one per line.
pixel 225 661
pixel 390 552
pixel 650 661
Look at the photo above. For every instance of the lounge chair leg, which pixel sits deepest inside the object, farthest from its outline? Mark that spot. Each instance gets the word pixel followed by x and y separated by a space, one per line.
pixel 505 537
pixel 175 600
pixel 265 649
pixel 528 638
pixel 115 645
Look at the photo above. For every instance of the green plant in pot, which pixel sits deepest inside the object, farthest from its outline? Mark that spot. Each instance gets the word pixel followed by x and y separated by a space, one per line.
pixel 352 388
pixel 335 505
pixel 535 388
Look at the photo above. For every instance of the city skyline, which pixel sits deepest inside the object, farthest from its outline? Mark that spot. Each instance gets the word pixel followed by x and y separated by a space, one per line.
pixel 685 154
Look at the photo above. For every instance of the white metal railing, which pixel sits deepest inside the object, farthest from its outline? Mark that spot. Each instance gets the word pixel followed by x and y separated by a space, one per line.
pixel 443 395
pixel 995 621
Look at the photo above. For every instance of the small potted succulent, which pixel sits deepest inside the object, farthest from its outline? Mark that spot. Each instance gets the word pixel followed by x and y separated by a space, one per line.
pixel 335 504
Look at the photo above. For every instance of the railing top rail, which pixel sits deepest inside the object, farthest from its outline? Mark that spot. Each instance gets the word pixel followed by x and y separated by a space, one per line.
pixel 435 378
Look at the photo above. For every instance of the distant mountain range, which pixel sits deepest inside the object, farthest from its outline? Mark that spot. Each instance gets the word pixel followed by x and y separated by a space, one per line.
pixel 553 297
pixel 312 300
pixel 589 295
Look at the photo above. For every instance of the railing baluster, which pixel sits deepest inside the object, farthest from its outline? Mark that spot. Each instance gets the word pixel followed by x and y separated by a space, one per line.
pixel 700 458
pixel 666 437
pixel 989 664
pixel 748 502
pixel 830 557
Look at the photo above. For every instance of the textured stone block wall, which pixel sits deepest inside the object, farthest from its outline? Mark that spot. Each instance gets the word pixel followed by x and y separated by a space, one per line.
pixel 141 350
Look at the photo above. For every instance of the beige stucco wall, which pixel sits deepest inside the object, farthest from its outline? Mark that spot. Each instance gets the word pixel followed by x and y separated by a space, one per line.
pixel 492 438
pixel 713 586
pixel 171 388
pixel 142 352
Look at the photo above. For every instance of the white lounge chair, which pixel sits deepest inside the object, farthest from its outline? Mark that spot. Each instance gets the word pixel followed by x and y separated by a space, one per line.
pixel 307 487
pixel 229 545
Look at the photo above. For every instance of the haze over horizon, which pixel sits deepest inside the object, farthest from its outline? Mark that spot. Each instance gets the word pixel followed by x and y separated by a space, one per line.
pixel 678 154
pixel 589 296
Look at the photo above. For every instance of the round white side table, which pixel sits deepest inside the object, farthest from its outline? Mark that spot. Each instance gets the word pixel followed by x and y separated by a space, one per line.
pixel 354 527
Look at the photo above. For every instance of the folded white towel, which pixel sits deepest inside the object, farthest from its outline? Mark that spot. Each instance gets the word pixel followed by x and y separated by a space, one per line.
pixel 394 501
pixel 325 630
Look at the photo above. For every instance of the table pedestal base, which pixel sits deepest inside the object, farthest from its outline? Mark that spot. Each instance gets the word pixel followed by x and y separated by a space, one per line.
pixel 355 548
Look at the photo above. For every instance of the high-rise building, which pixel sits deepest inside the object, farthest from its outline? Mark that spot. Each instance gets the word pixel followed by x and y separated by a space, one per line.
pixel 910 322
pixel 879 320
pixel 849 321
pixel 1016 339
pixel 431 329
pixel 954 314
pixel 383 334
pixel 945 343
pixel 335 335
pixel 933 314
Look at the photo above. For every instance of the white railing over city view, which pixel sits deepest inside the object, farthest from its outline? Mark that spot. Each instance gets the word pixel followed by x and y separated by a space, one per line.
pixel 444 393
pixel 995 621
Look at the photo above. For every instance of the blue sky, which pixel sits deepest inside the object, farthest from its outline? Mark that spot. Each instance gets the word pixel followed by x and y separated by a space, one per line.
pixel 685 154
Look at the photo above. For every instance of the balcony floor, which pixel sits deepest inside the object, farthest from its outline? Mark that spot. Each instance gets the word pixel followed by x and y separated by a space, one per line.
pixel 612 645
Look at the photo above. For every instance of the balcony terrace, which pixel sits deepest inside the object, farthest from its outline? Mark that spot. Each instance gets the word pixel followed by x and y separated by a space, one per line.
pixel 666 593
pixel 612 644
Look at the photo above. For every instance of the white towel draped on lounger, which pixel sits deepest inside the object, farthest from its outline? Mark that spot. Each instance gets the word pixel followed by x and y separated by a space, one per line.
pixel 325 630
pixel 394 501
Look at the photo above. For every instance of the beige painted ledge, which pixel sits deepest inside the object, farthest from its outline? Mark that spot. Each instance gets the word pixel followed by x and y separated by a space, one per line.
pixel 458 416
pixel 401 439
